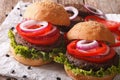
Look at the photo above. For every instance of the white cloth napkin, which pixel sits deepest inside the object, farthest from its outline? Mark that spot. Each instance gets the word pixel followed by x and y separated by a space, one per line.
pixel 10 67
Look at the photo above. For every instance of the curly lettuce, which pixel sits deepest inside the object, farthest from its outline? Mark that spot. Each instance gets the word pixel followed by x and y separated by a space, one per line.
pixel 62 59
pixel 32 53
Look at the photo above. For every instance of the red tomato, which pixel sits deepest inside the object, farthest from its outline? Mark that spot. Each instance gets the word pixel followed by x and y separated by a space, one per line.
pixel 40 37
pixel 117 44
pixel 90 55
pixel 43 40
pixel 23 33
pixel 71 48
pixel 101 59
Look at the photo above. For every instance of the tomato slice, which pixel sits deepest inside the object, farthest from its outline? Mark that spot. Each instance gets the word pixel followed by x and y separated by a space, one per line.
pixel 93 56
pixel 46 36
pixel 45 40
pixel 117 44
pixel 71 49
pixel 112 25
pixel 102 58
pixel 23 33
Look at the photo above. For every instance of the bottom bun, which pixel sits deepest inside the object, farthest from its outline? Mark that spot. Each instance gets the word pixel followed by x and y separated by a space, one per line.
pixel 27 61
pixel 84 77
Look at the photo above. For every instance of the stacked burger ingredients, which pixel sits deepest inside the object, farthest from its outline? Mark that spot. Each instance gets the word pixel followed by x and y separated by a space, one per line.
pixel 51 32
pixel 89 55
pixel 37 39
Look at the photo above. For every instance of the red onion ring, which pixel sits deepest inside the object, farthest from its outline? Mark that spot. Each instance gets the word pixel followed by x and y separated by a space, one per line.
pixel 83 45
pixel 25 25
pixel 52 35
pixel 74 10
pixel 48 34
pixel 91 10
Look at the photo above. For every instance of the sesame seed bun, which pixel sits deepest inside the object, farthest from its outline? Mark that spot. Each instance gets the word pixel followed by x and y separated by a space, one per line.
pixel 91 30
pixel 47 10
pixel 86 77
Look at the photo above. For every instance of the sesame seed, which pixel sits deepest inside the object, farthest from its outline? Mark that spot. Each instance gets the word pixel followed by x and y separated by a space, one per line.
pixel 29 67
pixel 7 55
pixel 12 28
pixel 24 76
pixel 6 15
pixel 21 15
pixel 13 71
pixel 58 78
pixel 25 5
pixel 12 7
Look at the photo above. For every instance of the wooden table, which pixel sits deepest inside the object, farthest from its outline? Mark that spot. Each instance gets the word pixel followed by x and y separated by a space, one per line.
pixel 107 6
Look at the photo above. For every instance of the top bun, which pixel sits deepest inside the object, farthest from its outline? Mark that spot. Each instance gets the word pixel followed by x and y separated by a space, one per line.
pixel 47 10
pixel 91 30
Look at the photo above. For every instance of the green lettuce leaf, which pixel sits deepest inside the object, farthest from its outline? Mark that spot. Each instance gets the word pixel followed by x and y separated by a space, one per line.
pixel 32 53
pixel 62 59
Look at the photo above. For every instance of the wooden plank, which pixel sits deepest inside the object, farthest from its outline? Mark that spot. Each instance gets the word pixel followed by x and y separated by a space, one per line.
pixel 41 0
pixel 118 3
pixel 107 6
pixel 76 3
pixel 93 3
pixel 5 7
pixel 70 1
pixel 103 5
pixel 115 6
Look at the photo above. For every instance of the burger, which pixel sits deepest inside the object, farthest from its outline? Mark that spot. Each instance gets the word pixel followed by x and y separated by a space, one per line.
pixel 63 17
pixel 89 55
pixel 47 10
pixel 37 40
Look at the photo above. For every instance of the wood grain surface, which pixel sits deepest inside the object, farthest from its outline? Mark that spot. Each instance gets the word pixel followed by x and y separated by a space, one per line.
pixel 107 6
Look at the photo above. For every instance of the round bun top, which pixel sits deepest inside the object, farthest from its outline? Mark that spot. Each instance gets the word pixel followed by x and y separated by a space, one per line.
pixel 47 10
pixel 91 30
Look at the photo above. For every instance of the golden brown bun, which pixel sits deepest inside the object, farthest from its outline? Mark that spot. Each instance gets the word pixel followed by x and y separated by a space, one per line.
pixel 91 30
pixel 47 10
pixel 83 77
pixel 26 61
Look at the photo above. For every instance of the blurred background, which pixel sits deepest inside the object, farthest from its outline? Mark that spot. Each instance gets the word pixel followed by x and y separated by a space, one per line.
pixel 107 6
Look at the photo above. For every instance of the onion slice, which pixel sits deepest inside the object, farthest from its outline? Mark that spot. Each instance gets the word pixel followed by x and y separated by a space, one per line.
pixel 25 25
pixel 86 45
pixel 45 39
pixel 94 10
pixel 51 33
pixel 74 10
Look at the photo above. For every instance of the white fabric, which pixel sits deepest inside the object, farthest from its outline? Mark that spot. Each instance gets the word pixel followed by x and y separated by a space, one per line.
pixel 7 64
